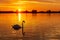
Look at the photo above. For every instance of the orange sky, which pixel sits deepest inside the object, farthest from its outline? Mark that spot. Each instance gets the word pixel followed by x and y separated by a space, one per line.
pixel 30 5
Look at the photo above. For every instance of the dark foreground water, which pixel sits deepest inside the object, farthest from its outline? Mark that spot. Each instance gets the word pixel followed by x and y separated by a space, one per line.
pixel 36 27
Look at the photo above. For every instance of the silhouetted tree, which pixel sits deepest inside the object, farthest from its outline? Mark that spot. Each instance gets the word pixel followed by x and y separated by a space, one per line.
pixel 34 11
pixel 49 11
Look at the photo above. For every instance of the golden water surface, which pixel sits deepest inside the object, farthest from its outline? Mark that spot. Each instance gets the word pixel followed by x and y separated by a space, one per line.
pixel 36 27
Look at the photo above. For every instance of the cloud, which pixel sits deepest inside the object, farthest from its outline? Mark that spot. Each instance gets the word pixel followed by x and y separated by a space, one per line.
pixel 51 1
pixel 12 1
pixel 7 1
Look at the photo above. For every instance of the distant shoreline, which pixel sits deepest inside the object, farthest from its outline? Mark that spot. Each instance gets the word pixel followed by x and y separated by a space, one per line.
pixel 30 12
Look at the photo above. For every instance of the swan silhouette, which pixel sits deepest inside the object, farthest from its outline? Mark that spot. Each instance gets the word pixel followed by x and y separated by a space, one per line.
pixel 17 27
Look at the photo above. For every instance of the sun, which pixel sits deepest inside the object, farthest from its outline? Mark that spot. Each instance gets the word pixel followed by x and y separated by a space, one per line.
pixel 19 10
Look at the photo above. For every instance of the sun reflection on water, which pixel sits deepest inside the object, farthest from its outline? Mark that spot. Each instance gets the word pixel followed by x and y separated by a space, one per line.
pixel 19 16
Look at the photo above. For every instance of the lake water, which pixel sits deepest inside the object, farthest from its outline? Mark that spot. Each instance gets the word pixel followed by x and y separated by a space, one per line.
pixel 36 27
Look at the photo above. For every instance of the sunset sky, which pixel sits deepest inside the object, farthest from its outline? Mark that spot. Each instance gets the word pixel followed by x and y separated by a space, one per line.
pixel 29 5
